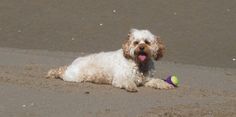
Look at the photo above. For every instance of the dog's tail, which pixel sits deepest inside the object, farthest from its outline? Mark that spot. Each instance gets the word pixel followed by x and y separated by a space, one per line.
pixel 57 72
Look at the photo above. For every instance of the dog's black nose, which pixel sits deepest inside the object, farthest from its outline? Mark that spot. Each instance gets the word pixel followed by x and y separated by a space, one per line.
pixel 141 48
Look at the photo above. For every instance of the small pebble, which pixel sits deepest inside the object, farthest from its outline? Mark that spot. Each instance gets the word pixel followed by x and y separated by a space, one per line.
pixel 234 59
pixel 23 106
pixel 19 31
pixel 72 38
pixel 100 24
pixel 114 11
pixel 87 92
pixel 175 13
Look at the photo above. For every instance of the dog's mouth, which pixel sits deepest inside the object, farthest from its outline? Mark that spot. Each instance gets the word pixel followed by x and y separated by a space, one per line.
pixel 142 54
pixel 142 57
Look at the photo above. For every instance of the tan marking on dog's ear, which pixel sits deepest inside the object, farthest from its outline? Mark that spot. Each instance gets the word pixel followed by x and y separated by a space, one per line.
pixel 160 48
pixel 125 47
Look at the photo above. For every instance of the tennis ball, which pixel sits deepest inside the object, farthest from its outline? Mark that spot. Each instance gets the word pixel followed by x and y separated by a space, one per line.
pixel 172 79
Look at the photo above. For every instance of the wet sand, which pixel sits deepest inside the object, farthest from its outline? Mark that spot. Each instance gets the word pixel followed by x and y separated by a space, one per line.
pixel 38 35
pixel 25 92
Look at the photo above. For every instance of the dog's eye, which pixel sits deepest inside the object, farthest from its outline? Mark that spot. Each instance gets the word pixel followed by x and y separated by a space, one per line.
pixel 136 43
pixel 147 42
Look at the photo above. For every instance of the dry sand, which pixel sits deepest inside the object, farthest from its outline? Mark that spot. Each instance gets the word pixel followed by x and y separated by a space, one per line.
pixel 195 32
pixel 200 40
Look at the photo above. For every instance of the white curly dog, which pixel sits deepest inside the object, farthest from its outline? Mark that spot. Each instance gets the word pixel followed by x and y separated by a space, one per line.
pixel 126 68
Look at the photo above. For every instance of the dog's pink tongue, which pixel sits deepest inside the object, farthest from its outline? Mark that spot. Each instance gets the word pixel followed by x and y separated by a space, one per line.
pixel 142 57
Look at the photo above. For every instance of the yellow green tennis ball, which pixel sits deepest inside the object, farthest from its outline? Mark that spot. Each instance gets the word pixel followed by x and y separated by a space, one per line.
pixel 172 79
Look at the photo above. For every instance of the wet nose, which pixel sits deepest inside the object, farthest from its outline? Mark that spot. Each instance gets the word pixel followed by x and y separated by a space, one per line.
pixel 141 48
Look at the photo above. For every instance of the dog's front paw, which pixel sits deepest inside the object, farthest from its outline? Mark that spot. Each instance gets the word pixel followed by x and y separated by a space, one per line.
pixel 158 84
pixel 131 88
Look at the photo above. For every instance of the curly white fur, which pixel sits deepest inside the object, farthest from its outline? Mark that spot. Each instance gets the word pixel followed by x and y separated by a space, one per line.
pixel 126 68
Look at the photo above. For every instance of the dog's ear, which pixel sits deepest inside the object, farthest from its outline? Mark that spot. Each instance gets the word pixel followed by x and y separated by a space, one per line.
pixel 126 47
pixel 159 48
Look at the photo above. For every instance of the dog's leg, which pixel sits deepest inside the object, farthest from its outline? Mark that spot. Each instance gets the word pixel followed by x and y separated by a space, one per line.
pixel 56 73
pixel 158 84
pixel 128 85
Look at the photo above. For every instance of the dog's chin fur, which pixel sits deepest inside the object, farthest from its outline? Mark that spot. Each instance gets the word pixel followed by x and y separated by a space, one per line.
pixel 122 68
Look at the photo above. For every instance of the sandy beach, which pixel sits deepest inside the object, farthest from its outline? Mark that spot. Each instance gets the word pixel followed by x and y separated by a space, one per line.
pixel 38 35
pixel 204 91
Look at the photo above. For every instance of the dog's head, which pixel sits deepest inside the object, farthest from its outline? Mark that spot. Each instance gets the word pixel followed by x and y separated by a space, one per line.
pixel 142 46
